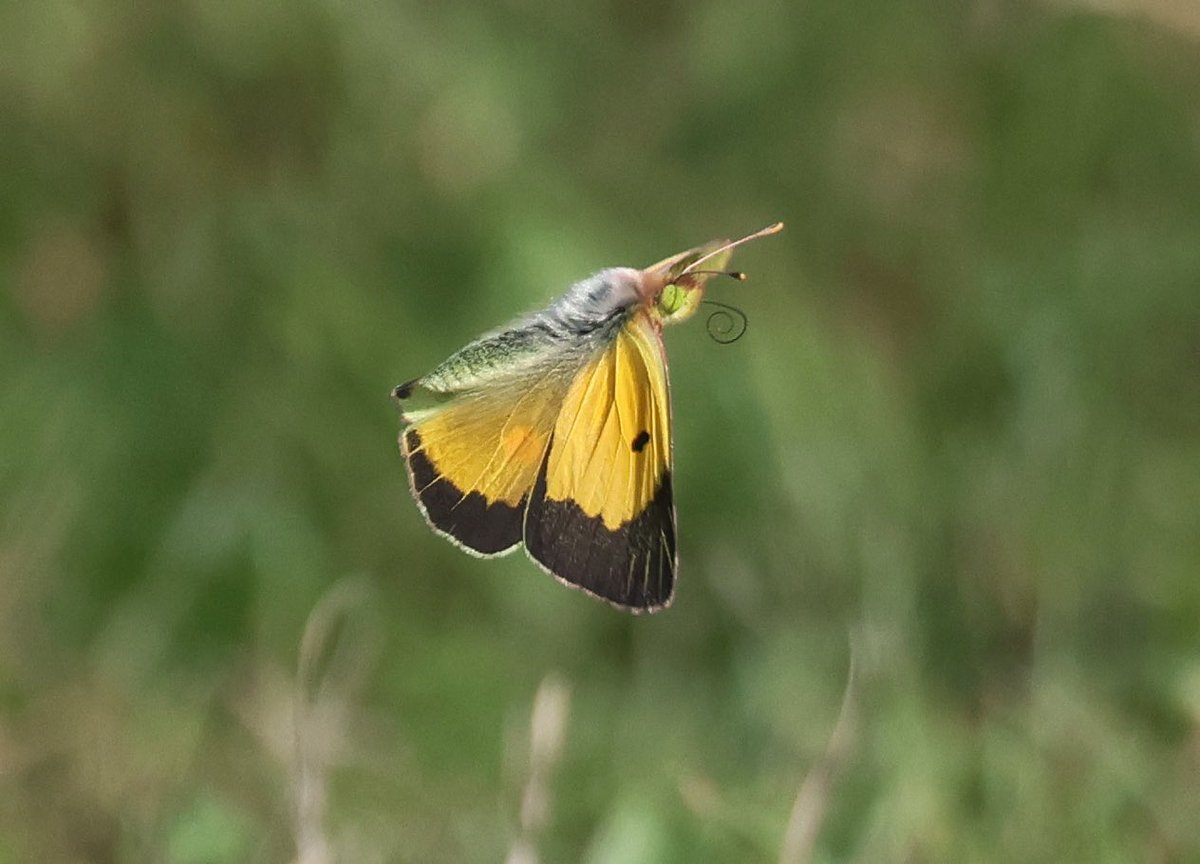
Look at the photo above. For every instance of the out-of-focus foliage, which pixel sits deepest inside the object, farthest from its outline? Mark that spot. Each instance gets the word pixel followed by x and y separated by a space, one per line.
pixel 963 428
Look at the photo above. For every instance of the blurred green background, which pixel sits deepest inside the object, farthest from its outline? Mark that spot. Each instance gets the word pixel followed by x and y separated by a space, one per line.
pixel 961 433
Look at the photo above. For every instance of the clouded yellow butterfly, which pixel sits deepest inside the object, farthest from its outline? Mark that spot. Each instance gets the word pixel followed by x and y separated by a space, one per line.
pixel 555 432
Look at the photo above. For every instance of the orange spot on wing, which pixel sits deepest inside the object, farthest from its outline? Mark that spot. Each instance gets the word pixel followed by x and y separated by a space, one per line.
pixel 522 445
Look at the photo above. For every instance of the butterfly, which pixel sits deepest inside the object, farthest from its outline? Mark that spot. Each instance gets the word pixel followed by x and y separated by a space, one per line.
pixel 555 432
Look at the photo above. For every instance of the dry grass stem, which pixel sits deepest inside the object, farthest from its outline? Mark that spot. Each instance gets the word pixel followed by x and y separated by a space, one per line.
pixel 547 732
pixel 336 651
pixel 812 799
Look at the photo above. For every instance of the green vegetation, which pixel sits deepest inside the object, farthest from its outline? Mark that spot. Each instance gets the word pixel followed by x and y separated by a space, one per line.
pixel 961 432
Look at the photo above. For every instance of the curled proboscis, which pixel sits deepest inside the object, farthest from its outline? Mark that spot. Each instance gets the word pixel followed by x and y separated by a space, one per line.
pixel 726 323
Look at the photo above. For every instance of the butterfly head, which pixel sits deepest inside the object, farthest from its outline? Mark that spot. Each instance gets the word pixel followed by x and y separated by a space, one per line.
pixel 674 288
pixel 670 290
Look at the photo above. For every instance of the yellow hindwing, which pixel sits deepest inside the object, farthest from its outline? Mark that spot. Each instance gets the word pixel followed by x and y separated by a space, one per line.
pixel 473 462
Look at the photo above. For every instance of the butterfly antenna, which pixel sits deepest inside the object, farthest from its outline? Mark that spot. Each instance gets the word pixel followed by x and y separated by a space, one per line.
pixel 764 232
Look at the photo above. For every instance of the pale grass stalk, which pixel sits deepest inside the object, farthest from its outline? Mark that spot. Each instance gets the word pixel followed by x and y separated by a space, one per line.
pixel 547 732
pixel 335 655
pixel 812 799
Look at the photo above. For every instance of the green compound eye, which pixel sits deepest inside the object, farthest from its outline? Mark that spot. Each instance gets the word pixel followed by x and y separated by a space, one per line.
pixel 679 300
pixel 672 299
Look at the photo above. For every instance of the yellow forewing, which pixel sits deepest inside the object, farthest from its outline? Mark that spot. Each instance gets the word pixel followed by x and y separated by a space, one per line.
pixel 601 515
pixel 612 439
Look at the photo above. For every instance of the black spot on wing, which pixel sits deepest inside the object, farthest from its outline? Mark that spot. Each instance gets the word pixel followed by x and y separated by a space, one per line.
pixel 403 391
pixel 485 527
pixel 639 443
pixel 633 566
